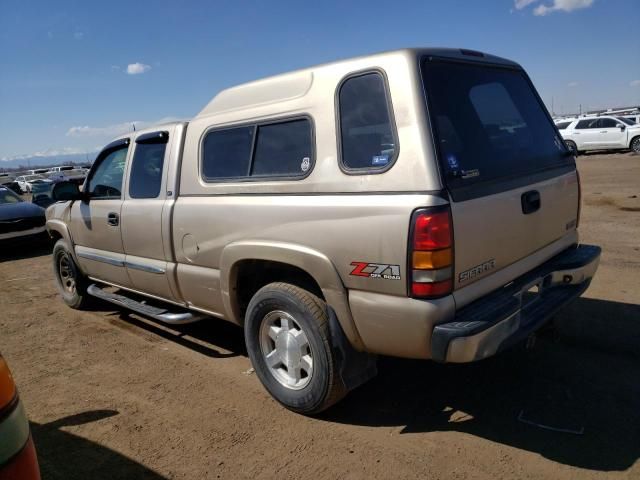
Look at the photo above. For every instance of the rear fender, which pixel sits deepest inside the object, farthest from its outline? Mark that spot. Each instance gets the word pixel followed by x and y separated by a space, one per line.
pixel 311 261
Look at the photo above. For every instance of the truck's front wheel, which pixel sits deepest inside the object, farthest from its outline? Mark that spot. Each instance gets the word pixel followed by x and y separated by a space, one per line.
pixel 71 284
pixel 288 339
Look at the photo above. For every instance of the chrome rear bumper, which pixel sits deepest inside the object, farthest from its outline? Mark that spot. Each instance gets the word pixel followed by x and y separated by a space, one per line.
pixel 510 314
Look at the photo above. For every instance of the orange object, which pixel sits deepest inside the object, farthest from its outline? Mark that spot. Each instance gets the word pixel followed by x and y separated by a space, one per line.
pixel 432 260
pixel 23 466
pixel 7 387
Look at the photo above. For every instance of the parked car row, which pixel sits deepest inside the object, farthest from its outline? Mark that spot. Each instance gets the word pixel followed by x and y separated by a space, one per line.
pixel 25 181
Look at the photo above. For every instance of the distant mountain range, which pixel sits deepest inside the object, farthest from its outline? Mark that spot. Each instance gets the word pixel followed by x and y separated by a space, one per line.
pixel 37 161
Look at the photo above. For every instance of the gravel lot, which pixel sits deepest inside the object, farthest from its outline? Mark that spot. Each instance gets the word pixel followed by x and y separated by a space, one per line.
pixel 112 395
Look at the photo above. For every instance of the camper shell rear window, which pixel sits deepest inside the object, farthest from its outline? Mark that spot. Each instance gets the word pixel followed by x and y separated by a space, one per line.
pixel 491 130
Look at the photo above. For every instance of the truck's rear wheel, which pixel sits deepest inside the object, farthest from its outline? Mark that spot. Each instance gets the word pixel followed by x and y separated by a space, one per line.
pixel 71 284
pixel 288 339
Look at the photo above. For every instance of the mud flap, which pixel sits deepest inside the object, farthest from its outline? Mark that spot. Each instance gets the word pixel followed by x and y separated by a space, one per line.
pixel 356 368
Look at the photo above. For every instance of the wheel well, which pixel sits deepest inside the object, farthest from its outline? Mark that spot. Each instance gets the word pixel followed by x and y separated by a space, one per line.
pixel 251 275
pixel 55 235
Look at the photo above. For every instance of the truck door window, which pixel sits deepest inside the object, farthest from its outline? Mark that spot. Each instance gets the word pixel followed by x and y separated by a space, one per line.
pixel 368 140
pixel 146 168
pixel 106 179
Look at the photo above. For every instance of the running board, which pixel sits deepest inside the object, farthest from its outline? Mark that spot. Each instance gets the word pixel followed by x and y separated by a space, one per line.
pixel 157 313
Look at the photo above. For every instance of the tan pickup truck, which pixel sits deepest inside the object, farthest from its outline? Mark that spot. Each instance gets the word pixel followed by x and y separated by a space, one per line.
pixel 418 203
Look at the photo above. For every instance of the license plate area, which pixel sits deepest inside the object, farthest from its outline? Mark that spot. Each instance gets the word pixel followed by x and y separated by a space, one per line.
pixel 532 292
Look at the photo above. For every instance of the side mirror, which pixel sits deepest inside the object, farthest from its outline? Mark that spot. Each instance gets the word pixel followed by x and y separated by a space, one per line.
pixel 65 191
pixel 621 126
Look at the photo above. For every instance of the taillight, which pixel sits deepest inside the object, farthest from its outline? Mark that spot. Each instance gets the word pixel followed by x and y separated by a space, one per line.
pixel 431 253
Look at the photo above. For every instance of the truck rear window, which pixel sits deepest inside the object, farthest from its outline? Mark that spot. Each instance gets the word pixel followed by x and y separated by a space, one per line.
pixel 489 124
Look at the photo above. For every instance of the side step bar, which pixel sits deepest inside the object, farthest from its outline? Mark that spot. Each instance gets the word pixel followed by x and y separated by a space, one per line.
pixel 157 313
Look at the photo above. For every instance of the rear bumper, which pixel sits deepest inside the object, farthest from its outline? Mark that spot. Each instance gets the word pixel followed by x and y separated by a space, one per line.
pixel 508 315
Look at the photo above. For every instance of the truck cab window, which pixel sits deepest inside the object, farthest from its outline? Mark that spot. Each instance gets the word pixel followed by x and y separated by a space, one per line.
pixel 106 180
pixel 147 165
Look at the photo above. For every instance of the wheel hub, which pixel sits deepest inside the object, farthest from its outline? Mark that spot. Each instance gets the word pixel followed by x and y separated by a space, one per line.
pixel 286 350
pixel 66 273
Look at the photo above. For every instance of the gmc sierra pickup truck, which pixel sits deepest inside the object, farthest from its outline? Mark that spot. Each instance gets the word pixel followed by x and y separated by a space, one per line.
pixel 418 203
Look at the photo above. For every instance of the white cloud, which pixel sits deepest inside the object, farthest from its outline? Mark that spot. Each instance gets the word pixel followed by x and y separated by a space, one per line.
pixel 116 129
pixel 89 139
pixel 49 152
pixel 562 5
pixel 572 84
pixel 137 68
pixel 634 83
pixel 78 35
pixel 520 4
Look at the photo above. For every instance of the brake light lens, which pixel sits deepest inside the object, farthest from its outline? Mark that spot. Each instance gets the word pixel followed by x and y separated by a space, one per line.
pixel 431 253
pixel 431 231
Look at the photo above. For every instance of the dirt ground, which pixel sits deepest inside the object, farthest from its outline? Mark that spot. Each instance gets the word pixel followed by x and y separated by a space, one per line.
pixel 112 395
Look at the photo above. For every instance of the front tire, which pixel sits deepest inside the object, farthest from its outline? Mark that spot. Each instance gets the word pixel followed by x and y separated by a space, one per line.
pixel 635 145
pixel 71 283
pixel 288 340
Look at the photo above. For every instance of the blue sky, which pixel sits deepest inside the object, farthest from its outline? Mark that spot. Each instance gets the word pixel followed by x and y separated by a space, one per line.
pixel 74 74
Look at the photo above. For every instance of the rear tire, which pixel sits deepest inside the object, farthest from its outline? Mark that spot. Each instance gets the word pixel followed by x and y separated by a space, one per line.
pixel 635 144
pixel 571 145
pixel 71 283
pixel 288 340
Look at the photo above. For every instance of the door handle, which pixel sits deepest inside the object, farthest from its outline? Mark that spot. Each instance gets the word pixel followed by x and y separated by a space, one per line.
pixel 604 131
pixel 113 219
pixel 530 201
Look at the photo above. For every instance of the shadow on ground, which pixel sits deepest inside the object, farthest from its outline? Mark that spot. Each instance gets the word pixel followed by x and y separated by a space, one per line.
pixel 509 399
pixel 63 455
pixel 19 250
pixel 573 398
pixel 207 337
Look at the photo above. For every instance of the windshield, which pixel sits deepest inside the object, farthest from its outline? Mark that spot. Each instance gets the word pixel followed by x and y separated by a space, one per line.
pixel 626 120
pixel 488 123
pixel 7 196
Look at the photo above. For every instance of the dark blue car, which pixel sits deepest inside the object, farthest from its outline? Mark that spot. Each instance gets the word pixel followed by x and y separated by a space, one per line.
pixel 19 220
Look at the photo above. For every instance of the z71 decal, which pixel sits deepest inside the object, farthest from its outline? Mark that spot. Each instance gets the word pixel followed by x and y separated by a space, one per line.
pixel 376 270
